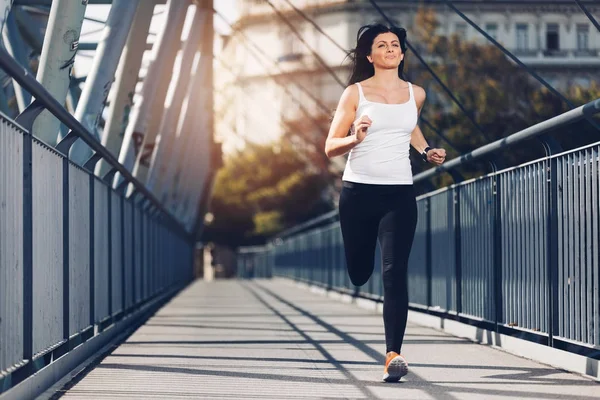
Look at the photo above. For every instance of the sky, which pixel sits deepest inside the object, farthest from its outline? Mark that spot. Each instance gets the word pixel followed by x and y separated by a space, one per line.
pixel 91 31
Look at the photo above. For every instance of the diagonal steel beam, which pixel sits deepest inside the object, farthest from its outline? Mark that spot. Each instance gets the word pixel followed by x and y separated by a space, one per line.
pixel 127 76
pixel 102 73
pixel 167 152
pixel 58 55
pixel 588 14
pixel 146 113
pixel 14 43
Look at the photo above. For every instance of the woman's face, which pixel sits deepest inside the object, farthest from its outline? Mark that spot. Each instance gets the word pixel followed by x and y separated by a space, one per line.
pixel 385 51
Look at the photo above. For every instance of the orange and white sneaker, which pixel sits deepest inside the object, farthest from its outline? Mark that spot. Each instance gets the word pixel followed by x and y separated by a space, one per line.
pixel 395 367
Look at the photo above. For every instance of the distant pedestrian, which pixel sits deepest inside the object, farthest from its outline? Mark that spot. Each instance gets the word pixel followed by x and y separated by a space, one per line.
pixel 380 109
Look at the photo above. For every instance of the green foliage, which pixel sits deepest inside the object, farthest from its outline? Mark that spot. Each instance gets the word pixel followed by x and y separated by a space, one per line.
pixel 262 190
pixel 500 96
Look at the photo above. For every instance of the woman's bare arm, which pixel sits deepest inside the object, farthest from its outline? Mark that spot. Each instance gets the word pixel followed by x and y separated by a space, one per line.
pixel 338 141
pixel 417 140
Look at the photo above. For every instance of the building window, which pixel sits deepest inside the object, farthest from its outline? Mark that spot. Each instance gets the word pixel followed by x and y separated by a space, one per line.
pixel 291 47
pixel 461 30
pixel 492 30
pixel 291 44
pixel 583 31
pixel 552 38
pixel 522 37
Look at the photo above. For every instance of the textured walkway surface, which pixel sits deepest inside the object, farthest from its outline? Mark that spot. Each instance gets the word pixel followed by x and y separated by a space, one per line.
pixel 272 340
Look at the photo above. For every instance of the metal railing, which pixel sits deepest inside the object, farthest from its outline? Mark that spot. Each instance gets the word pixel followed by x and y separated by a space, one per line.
pixel 254 262
pixel 79 260
pixel 516 251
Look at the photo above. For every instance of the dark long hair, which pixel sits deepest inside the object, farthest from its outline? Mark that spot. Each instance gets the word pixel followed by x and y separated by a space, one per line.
pixel 361 67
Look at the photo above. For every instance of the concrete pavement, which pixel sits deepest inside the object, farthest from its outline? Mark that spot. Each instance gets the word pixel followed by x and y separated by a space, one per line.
pixel 273 340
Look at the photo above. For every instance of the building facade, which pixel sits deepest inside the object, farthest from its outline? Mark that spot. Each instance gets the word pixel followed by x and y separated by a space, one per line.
pixel 290 80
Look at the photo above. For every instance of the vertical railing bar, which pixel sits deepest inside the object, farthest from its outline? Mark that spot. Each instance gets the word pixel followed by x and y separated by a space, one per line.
pixel 142 258
pixel 512 230
pixel 521 265
pixel 28 250
pixel 457 250
pixel 595 292
pixel 109 217
pixel 545 227
pixel 331 258
pixel 469 243
pixel 92 253
pixel 132 249
pixel 589 245
pixel 540 283
pixel 489 285
pixel 428 252
pixel 535 307
pixel 123 269
pixel 66 255
pixel 578 260
pixel 154 256
pixel 511 286
pixel 552 250
pixel 525 229
pixel 574 249
pixel 498 253
pixel 535 206
pixel 561 187
pixel 572 241
pixel 567 231
pixel 473 241
pixel 582 244
pixel 503 201
pixel 513 310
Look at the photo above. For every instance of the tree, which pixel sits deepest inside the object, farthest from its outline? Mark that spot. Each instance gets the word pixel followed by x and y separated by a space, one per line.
pixel 262 190
pixel 501 97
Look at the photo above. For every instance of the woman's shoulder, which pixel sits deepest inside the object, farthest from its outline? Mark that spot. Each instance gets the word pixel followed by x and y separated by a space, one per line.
pixel 417 88
pixel 351 94
pixel 419 93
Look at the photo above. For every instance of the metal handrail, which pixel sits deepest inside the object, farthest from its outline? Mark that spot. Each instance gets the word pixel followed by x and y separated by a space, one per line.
pixel 43 97
pixel 586 110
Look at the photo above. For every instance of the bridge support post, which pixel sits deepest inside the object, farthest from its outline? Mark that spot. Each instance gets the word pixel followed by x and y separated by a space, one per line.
pixel 101 75
pixel 168 143
pixel 125 80
pixel 147 113
pixel 197 196
pixel 14 43
pixel 58 55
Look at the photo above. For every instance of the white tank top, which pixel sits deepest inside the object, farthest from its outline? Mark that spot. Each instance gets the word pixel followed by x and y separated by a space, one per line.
pixel 383 156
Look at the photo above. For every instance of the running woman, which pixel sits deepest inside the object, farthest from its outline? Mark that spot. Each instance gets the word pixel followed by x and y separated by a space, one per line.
pixel 376 122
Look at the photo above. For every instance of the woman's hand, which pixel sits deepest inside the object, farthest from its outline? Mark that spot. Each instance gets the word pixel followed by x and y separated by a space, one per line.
pixel 436 156
pixel 360 126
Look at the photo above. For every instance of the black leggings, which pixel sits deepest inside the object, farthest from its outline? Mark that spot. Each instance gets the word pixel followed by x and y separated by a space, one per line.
pixel 387 212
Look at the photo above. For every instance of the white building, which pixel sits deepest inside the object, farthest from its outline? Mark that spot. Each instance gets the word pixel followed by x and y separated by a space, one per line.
pixel 554 37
